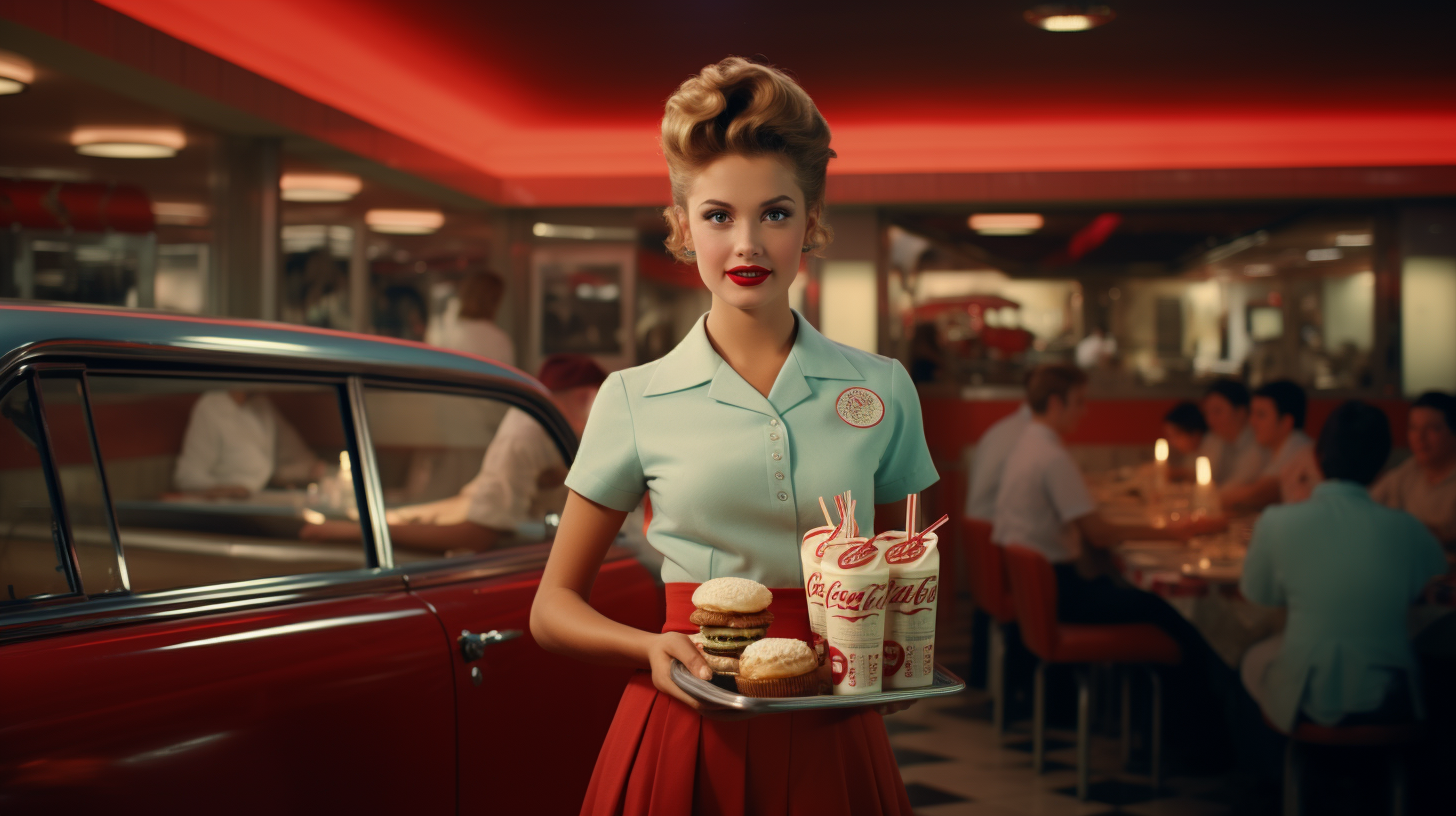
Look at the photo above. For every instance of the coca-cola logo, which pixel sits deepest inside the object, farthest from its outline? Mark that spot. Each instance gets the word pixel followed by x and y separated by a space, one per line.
pixel 869 598
pixel 894 657
pixel 905 552
pixel 914 593
pixel 814 586
pixel 838 666
pixel 858 556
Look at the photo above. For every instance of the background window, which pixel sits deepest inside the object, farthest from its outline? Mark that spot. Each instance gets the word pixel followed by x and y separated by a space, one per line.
pixel 214 480
pixel 30 560
pixel 463 475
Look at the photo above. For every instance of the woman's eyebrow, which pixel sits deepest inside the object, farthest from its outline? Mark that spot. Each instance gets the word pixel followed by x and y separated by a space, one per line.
pixel 716 203
pixel 787 198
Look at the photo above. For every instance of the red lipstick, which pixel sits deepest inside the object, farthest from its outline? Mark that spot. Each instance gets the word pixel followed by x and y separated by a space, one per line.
pixel 748 275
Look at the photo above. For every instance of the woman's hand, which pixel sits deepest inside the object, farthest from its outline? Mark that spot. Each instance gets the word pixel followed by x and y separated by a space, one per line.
pixel 670 646
pixel 891 708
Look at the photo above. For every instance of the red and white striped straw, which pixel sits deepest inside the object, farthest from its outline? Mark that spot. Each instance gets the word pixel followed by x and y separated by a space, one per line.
pixel 920 536
pixel 911 502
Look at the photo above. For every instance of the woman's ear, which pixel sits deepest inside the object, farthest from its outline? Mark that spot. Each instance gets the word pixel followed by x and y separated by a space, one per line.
pixel 681 217
pixel 811 225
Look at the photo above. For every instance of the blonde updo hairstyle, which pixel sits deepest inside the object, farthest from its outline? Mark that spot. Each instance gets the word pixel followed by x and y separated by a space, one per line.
pixel 737 107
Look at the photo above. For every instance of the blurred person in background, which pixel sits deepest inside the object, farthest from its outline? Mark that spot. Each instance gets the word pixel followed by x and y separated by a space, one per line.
pixel 1425 484
pixel 1347 569
pixel 399 311
pixel 1096 349
pixel 1187 433
pixel 473 329
pixel 236 444
pixel 521 478
pixel 989 460
pixel 1232 450
pixel 1276 414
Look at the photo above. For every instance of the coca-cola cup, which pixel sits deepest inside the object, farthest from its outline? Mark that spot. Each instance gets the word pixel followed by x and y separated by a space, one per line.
pixel 910 608
pixel 856 588
pixel 811 552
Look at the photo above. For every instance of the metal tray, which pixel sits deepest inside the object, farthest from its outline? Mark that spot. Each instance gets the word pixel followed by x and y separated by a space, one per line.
pixel 722 692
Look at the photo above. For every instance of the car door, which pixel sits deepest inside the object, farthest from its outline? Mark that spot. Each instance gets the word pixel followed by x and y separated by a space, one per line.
pixel 163 652
pixel 530 722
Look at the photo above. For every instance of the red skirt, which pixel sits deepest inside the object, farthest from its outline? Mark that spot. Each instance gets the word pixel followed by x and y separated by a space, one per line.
pixel 661 757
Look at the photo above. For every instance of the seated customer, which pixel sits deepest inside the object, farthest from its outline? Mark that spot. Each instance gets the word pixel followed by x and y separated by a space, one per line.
pixel 236 444
pixel 1425 484
pixel 1276 414
pixel 1044 504
pixel 989 461
pixel 1347 569
pixel 1188 436
pixel 1231 448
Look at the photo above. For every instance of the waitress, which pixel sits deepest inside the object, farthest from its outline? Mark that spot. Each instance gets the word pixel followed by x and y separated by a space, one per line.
pixel 733 435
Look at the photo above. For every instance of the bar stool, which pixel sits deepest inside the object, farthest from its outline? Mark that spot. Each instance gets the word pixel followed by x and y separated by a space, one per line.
pixel 1034 591
pixel 1391 738
pixel 992 594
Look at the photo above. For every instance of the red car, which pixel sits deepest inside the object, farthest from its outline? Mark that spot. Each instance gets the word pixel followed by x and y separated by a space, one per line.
pixel 171 641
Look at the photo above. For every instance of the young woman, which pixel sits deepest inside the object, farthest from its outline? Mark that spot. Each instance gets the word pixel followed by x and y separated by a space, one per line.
pixel 734 436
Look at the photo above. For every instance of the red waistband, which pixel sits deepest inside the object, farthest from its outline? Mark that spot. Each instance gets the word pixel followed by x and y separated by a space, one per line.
pixel 789 608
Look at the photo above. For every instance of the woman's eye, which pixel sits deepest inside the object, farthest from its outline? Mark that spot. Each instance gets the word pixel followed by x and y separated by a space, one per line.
pixel 717 217
pixel 776 215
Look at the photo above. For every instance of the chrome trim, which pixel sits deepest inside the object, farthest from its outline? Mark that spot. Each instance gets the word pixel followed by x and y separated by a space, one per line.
pixel 60 518
pixel 105 486
pixel 368 467
pixel 512 561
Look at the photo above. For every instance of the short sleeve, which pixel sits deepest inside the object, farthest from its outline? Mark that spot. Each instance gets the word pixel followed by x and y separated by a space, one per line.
pixel 607 469
pixel 906 466
pixel 1067 489
pixel 1260 581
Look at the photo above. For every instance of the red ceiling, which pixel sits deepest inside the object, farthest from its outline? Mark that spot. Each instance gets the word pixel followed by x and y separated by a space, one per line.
pixel 565 94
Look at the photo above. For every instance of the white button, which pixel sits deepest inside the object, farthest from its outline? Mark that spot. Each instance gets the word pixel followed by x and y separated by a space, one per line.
pixel 774 437
pixel 783 496
pixel 776 456
pixel 773 422
pixel 779 475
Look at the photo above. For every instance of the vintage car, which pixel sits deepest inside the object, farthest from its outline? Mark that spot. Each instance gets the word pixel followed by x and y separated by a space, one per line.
pixel 170 645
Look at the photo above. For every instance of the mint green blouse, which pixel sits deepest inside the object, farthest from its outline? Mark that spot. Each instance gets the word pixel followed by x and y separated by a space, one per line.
pixel 735 478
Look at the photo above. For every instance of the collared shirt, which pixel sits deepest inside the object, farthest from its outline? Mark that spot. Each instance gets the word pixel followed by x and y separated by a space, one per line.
pixel 734 477
pixel 231 445
pixel 1236 463
pixel 508 490
pixel 1434 503
pixel 1042 495
pixel 1347 569
pixel 989 460
pixel 1293 446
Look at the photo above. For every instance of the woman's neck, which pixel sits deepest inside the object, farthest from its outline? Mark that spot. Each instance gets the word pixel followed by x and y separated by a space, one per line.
pixel 755 343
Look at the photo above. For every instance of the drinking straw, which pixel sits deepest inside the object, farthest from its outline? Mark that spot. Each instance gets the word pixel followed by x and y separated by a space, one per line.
pixel 920 536
pixel 825 510
pixel 910 502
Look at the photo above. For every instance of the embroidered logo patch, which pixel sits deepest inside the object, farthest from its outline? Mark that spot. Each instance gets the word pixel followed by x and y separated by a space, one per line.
pixel 860 407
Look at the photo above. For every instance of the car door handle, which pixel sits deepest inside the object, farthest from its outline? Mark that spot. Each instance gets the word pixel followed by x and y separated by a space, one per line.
pixel 472 646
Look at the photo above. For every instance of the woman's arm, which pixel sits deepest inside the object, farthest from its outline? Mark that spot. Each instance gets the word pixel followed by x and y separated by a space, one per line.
pixel 562 620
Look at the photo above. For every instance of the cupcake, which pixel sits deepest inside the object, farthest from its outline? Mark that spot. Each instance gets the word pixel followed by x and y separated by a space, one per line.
pixel 778 667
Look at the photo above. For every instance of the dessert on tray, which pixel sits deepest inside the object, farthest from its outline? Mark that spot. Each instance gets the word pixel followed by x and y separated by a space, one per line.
pixel 778 667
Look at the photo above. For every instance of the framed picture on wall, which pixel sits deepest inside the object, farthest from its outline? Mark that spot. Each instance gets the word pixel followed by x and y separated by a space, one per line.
pixel 583 302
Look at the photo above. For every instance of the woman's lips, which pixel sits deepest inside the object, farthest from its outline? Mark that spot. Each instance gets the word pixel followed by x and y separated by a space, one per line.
pixel 748 275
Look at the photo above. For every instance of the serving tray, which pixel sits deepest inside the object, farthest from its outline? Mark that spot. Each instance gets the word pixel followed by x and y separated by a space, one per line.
pixel 722 692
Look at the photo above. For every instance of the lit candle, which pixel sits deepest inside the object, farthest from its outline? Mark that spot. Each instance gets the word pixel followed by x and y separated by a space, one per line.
pixel 1205 501
pixel 1205 471
pixel 1160 451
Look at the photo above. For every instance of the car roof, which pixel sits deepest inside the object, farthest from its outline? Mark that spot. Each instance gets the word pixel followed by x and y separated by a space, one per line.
pixel 23 323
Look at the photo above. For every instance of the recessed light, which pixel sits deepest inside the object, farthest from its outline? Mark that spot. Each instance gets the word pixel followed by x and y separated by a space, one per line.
pixel 1005 223
pixel 128 142
pixel 1259 270
pixel 1330 254
pixel 1064 17
pixel 1354 239
pixel 405 222
pixel 181 213
pixel 319 186
pixel 544 230
pixel 16 73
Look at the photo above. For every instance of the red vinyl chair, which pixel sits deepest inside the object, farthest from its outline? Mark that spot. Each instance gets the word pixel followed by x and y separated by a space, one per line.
pixel 1389 737
pixel 1034 592
pixel 992 593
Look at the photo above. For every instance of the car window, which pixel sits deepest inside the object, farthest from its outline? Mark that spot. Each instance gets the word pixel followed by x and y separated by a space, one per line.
pixel 462 475
pixel 216 480
pixel 31 561
pixel 82 492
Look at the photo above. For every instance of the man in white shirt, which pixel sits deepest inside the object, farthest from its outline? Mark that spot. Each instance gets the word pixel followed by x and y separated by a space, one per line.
pixel 1097 348
pixel 1277 416
pixel 1231 448
pixel 989 460
pixel 471 328
pixel 1425 484
pixel 236 444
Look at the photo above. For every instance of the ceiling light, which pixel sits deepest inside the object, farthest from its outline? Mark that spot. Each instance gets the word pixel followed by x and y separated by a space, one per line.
pixel 1063 17
pixel 1259 270
pixel 16 73
pixel 128 142
pixel 181 213
pixel 405 222
pixel 1005 223
pixel 1330 254
pixel 542 230
pixel 319 186
pixel 1352 239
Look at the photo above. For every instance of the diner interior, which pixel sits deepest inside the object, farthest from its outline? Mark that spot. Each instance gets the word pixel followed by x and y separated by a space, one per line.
pixel 1152 213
